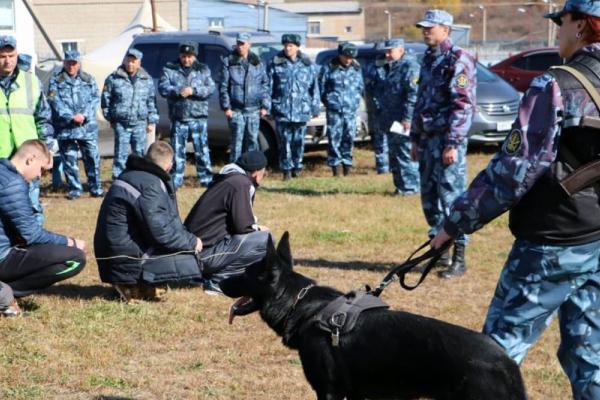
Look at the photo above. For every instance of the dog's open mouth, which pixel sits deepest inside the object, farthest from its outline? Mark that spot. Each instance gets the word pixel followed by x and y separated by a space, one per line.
pixel 242 306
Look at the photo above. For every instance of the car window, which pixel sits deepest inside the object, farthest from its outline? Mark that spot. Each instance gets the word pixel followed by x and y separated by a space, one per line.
pixel 538 62
pixel 212 55
pixel 266 51
pixel 156 55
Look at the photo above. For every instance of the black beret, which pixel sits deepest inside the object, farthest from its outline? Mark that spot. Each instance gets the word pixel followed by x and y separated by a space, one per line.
pixel 252 161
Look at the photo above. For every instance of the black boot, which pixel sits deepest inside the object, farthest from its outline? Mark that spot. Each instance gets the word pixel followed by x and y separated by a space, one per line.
pixel 334 170
pixel 458 266
pixel 346 169
pixel 286 175
pixel 296 173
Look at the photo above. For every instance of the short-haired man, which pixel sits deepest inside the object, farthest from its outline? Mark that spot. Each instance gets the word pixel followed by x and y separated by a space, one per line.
pixel 25 112
pixel 140 242
pixel 73 96
pixel 129 104
pixel 442 118
pixel 392 82
pixel 295 98
pixel 187 85
pixel 224 219
pixel 31 258
pixel 244 95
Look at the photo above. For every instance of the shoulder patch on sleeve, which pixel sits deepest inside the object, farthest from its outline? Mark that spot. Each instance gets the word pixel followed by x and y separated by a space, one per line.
pixel 513 141
pixel 462 81
pixel 541 81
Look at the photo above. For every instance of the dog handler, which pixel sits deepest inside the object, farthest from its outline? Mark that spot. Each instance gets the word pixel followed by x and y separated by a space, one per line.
pixel 554 208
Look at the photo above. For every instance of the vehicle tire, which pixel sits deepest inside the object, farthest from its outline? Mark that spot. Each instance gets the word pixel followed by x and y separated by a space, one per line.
pixel 267 142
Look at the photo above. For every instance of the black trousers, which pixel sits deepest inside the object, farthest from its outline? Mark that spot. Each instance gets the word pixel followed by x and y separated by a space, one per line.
pixel 27 269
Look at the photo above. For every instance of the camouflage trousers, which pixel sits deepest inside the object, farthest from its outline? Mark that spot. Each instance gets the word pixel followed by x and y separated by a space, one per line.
pixel 69 151
pixel 405 171
pixel 181 131
pixel 381 148
pixel 440 184
pixel 291 144
pixel 244 127
pixel 124 136
pixel 341 130
pixel 539 280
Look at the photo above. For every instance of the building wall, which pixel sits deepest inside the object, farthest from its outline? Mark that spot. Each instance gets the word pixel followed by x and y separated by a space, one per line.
pixel 23 29
pixel 93 22
pixel 335 25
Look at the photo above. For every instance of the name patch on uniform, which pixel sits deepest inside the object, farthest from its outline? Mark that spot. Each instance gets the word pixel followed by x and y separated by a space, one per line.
pixel 513 141
pixel 462 81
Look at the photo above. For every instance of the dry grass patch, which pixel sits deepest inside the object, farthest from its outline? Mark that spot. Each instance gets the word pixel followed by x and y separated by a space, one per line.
pixel 78 342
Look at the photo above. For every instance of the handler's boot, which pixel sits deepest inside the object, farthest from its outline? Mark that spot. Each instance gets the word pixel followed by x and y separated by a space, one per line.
pixel 458 266
pixel 347 169
pixel 334 171
pixel 287 175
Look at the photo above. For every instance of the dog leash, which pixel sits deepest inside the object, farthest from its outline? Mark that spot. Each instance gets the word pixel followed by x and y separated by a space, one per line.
pixel 433 255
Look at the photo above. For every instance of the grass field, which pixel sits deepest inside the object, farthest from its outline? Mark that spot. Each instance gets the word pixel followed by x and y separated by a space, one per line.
pixel 79 342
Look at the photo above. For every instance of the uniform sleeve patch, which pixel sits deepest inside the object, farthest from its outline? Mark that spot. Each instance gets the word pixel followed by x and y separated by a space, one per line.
pixel 513 141
pixel 51 94
pixel 462 81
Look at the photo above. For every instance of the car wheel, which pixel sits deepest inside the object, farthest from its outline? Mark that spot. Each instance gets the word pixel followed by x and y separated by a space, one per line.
pixel 268 143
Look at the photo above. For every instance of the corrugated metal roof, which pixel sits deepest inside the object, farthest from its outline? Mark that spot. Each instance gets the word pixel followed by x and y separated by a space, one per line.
pixel 320 7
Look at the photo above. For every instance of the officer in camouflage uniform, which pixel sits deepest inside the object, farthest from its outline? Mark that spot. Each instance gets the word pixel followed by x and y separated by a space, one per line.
pixel 187 85
pixel 244 95
pixel 73 97
pixel 341 86
pixel 295 98
pixel 392 81
pixel 24 111
pixel 442 118
pixel 129 104
pixel 554 264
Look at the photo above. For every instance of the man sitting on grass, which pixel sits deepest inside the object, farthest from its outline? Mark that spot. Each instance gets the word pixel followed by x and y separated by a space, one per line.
pixel 140 242
pixel 223 218
pixel 31 257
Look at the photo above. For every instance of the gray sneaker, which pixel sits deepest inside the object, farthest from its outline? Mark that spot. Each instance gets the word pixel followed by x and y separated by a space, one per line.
pixel 212 288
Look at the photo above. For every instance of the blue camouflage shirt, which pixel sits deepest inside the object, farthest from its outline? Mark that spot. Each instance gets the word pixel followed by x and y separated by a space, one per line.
pixel 129 102
pixel 446 97
pixel 341 87
pixel 526 155
pixel 294 88
pixel 73 95
pixel 393 85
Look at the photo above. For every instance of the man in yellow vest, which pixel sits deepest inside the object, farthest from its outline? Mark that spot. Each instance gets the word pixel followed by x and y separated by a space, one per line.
pixel 24 111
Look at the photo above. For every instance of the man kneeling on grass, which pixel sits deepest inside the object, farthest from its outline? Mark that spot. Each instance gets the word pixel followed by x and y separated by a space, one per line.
pixel 31 257
pixel 140 242
pixel 223 218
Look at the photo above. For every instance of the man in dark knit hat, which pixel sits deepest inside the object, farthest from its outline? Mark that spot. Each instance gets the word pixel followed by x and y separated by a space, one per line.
pixel 224 219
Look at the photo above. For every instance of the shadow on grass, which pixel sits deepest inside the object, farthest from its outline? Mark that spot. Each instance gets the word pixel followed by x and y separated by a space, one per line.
pixel 345 265
pixel 72 291
pixel 112 398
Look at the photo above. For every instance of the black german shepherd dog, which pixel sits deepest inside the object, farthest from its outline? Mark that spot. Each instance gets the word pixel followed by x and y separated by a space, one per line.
pixel 388 355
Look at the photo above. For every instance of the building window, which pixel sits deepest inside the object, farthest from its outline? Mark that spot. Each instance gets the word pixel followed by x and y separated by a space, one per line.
pixel 348 29
pixel 7 15
pixel 216 22
pixel 66 46
pixel 314 27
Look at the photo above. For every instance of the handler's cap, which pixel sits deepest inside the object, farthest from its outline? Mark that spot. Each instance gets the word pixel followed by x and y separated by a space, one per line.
pixel 293 38
pixel 135 53
pixel 243 37
pixel 347 49
pixel 392 44
pixel 72 55
pixel 8 41
pixel 252 160
pixel 435 17
pixel 588 7
pixel 187 48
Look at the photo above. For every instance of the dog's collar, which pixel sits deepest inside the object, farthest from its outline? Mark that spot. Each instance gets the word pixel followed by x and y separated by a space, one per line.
pixel 302 293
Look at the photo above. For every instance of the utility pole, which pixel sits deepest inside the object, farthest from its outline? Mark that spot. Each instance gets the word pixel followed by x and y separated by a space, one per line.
pixel 266 17
pixel 389 23
pixel 154 23
pixel 43 31
pixel 484 28
pixel 180 15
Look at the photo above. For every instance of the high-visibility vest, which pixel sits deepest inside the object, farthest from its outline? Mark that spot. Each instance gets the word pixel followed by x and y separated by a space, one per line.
pixel 17 123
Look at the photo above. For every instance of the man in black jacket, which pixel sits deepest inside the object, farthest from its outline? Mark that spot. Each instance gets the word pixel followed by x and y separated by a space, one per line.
pixel 140 242
pixel 223 218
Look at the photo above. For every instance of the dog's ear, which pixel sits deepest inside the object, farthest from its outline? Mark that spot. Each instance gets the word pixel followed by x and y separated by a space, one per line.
pixel 284 251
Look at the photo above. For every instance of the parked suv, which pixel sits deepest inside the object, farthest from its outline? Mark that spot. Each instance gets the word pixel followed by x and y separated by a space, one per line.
pixel 160 48
pixel 497 101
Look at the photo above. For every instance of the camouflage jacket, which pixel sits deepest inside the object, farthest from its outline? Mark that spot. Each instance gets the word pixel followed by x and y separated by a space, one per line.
pixel 294 88
pixel 341 87
pixel 74 95
pixel 393 88
pixel 129 102
pixel 174 78
pixel 446 96
pixel 244 87
pixel 527 154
